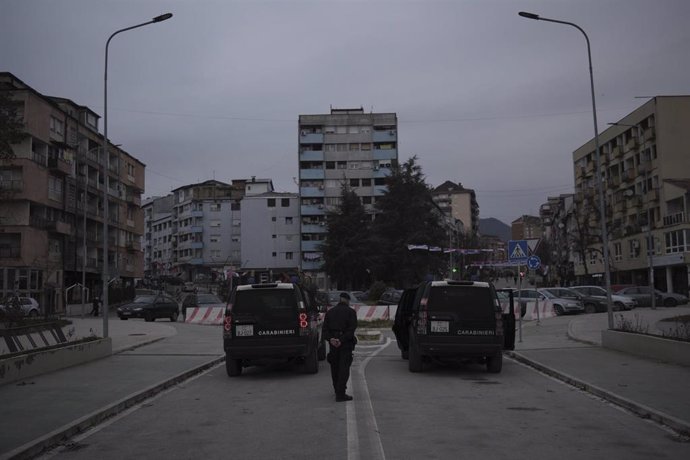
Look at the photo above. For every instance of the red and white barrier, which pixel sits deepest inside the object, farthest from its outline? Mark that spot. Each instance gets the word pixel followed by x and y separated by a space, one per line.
pixel 205 315
pixel 214 315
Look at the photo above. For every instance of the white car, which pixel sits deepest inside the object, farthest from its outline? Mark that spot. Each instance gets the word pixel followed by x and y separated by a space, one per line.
pixel 28 305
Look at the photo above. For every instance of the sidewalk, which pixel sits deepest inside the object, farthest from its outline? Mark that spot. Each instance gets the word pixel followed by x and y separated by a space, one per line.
pixel 569 348
pixel 48 408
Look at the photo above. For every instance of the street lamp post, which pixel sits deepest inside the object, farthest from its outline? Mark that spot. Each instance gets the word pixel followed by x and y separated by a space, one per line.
pixel 106 275
pixel 650 241
pixel 602 203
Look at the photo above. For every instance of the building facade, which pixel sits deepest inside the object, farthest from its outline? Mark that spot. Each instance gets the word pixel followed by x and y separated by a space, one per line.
pixel 646 171
pixel 158 237
pixel 346 146
pixel 459 203
pixel 53 204
pixel 526 228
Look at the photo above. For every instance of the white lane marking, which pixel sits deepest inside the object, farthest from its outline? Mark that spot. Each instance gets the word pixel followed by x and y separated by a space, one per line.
pixel 370 417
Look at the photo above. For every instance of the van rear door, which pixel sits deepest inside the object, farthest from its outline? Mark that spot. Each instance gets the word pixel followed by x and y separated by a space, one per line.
pixel 265 313
pixel 461 310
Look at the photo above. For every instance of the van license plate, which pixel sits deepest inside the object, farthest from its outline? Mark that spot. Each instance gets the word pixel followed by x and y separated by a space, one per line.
pixel 244 330
pixel 439 326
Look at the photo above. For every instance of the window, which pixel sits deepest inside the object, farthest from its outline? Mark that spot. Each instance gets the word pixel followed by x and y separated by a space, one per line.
pixel 354 147
pixel 235 206
pixel 330 165
pixel 273 236
pixel 235 239
pixel 214 239
pixel 215 223
pixel 91 120
pixel 366 182
pixel 273 219
pixel 354 182
pixel 634 248
pixel 677 241
pixel 54 188
pixel 592 258
pixel 273 254
pixel 57 126
pixel 215 253
pixel 214 207
pixel 271 202
pixel 236 222
pixel 379 181
pixel 617 252
pixel 285 202
pixel 288 256
pixel 288 221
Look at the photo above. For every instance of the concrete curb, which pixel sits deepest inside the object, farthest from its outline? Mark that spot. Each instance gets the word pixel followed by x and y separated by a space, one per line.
pixel 680 426
pixel 38 445
pixel 572 336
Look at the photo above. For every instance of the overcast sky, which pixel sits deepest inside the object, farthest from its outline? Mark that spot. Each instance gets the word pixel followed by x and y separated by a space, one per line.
pixel 483 96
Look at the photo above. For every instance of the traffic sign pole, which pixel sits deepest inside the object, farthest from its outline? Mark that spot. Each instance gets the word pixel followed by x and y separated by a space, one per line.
pixel 520 302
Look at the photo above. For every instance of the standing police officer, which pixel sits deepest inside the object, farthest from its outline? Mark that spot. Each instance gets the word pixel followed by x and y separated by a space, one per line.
pixel 339 329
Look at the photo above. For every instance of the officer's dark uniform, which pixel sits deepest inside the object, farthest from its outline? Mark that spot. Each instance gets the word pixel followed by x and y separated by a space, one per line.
pixel 340 323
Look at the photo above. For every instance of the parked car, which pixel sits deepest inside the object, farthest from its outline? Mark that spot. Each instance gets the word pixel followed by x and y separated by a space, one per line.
pixel 27 305
pixel 642 294
pixel 272 321
pixel 200 300
pixel 456 320
pixel 563 303
pixel 390 297
pixel 150 307
pixel 590 304
pixel 189 287
pixel 598 295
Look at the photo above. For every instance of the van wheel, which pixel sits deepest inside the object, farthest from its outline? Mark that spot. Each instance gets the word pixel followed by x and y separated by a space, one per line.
pixel 233 366
pixel 590 308
pixel 494 364
pixel 322 351
pixel 311 362
pixel 415 363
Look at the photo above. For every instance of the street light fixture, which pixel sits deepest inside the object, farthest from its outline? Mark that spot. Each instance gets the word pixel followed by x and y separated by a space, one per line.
pixel 106 275
pixel 602 203
pixel 650 241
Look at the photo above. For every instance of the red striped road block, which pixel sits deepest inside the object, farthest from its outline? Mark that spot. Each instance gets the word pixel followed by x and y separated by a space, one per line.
pixel 205 315
pixel 532 311
pixel 373 312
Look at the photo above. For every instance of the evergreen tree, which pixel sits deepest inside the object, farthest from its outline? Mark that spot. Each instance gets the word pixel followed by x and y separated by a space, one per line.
pixel 345 251
pixel 11 127
pixel 407 215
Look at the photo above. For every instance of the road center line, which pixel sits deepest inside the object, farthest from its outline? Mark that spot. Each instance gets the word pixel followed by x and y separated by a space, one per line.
pixel 364 401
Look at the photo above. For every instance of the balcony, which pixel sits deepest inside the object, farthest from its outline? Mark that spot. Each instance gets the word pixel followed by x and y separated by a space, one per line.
pixel 311 265
pixel 384 136
pixel 196 229
pixel 312 191
pixel 635 201
pixel 311 155
pixel 311 245
pixel 133 246
pixel 58 165
pixel 384 154
pixel 197 245
pixel 196 261
pixel 50 225
pixel 313 209
pixel 652 196
pixel 313 228
pixel 13 185
pixel 10 251
pixel 675 219
pixel 311 173
pixel 310 138
pixel 645 167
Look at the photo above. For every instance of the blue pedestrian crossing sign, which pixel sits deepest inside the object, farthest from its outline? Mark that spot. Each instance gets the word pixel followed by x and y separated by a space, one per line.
pixel 533 262
pixel 518 251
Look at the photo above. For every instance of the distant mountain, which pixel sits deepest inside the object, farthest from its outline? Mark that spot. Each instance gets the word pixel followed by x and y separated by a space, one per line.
pixel 495 227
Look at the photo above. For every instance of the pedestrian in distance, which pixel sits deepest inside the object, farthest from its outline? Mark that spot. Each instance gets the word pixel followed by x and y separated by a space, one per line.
pixel 339 328
pixel 95 305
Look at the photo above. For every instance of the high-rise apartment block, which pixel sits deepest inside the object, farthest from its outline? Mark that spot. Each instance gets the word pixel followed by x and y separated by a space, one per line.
pixel 345 147
pixel 459 203
pixel 52 201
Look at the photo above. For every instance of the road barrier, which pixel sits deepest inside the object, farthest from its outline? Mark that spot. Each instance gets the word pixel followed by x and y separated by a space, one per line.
pixel 214 315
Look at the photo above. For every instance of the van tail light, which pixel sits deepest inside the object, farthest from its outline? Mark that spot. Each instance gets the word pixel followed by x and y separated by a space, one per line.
pixel 303 323
pixel 423 317
pixel 227 320
pixel 499 323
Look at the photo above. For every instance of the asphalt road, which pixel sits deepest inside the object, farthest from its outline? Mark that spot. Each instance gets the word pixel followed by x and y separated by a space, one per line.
pixel 453 412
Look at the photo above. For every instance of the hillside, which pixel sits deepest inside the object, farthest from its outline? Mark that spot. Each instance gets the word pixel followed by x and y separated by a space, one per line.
pixel 492 226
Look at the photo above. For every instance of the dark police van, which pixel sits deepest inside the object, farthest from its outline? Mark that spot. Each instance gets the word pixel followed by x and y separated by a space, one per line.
pixel 272 322
pixel 453 320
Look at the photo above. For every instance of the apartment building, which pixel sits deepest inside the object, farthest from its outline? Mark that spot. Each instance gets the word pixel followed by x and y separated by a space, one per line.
pixel 646 173
pixel 560 235
pixel 526 228
pixel 459 203
pixel 52 206
pixel 346 146
pixel 270 242
pixel 206 228
pixel 158 237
